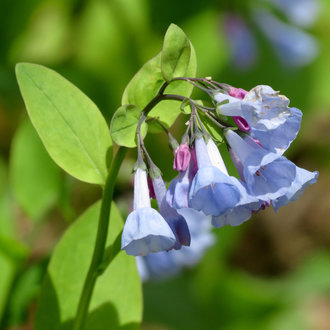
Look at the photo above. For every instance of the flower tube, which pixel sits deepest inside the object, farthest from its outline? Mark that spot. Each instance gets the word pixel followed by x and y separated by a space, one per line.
pixel 145 230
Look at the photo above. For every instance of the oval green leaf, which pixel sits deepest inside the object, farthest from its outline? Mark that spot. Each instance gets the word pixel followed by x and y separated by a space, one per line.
pixel 35 178
pixel 69 124
pixel 123 126
pixel 117 298
pixel 145 85
pixel 175 54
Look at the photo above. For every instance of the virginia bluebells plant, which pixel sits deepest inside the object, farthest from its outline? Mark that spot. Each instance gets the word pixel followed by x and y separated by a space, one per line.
pixel 257 127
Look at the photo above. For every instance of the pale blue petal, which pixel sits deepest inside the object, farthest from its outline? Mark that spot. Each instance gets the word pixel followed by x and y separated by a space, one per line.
pixel 302 180
pixel 146 231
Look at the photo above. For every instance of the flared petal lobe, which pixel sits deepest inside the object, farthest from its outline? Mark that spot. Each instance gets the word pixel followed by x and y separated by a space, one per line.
pixel 145 232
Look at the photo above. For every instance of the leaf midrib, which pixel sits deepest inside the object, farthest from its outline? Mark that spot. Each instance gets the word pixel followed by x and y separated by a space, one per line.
pixel 70 128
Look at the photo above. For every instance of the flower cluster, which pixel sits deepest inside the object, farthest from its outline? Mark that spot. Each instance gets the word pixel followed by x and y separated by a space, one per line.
pixel 293 46
pixel 257 127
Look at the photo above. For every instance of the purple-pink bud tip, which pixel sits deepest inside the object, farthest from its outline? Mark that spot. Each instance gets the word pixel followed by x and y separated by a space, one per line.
pixel 239 93
pixel 151 188
pixel 242 124
pixel 182 157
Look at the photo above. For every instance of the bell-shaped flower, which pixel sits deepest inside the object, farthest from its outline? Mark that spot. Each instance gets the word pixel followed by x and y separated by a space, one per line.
pixel 164 264
pixel 177 223
pixel 213 191
pixel 145 230
pixel 247 203
pixel 267 175
pixel 302 180
pixel 268 115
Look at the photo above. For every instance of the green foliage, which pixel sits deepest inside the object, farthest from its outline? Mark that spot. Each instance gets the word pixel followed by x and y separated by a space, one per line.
pixel 69 124
pixel 145 85
pixel 212 128
pixel 116 302
pixel 123 126
pixel 175 54
pixel 35 177
pixel 6 276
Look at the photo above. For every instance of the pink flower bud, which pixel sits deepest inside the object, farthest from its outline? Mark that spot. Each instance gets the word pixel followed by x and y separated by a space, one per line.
pixel 239 93
pixel 182 157
pixel 242 124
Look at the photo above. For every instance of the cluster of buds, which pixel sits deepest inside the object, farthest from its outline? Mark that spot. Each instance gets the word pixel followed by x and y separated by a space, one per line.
pixel 257 128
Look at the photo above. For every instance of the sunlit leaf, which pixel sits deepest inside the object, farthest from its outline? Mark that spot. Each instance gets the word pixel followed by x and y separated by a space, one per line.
pixel 146 83
pixel 175 53
pixel 69 124
pixel 124 124
pixel 116 301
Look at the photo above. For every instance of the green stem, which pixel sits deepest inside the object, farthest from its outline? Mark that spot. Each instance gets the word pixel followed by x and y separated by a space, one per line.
pixel 100 242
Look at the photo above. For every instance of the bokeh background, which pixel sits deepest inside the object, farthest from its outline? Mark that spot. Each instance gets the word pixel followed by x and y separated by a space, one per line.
pixel 272 272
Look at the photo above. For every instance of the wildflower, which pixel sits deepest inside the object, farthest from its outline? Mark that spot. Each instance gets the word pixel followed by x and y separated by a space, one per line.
pixel 213 191
pixel 271 120
pixel 267 175
pixel 302 180
pixel 145 230
pixel 165 264
pixel 177 223
pixel 245 206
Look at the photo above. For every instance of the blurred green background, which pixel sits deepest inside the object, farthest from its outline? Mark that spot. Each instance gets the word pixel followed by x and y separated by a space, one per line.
pixel 272 272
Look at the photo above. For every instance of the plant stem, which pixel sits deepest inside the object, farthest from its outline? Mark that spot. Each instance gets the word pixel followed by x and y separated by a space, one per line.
pixel 100 241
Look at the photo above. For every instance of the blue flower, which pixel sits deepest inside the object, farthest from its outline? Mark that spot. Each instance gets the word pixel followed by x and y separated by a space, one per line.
pixel 174 220
pixel 293 46
pixel 267 175
pixel 164 264
pixel 268 114
pixel 213 191
pixel 145 230
pixel 302 180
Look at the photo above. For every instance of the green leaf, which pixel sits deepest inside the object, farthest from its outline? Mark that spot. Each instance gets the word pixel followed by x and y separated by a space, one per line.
pixel 123 126
pixel 211 127
pixel 35 177
pixel 69 124
pixel 6 277
pixel 117 298
pixel 175 54
pixel 146 83
pixel 168 111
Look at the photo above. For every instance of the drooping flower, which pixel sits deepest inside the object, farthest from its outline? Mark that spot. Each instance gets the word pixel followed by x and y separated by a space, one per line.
pixel 213 191
pixel 145 230
pixel 177 223
pixel 302 180
pixel 267 175
pixel 245 206
pixel 267 113
pixel 161 265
